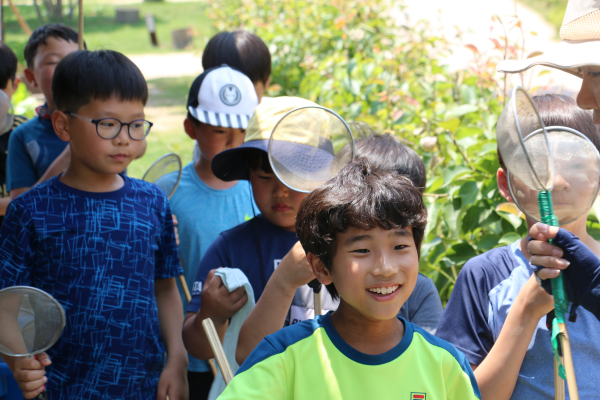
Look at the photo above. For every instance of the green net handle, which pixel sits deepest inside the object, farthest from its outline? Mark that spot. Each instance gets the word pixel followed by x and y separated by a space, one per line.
pixel 561 302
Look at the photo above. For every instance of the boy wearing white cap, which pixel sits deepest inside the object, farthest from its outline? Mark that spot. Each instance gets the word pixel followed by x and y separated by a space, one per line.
pixel 220 103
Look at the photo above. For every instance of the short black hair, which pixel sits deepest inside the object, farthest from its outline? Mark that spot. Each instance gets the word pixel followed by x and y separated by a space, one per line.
pixel 259 160
pixel 562 110
pixel 359 196
pixel 387 152
pixel 8 65
pixel 85 75
pixel 241 50
pixel 41 34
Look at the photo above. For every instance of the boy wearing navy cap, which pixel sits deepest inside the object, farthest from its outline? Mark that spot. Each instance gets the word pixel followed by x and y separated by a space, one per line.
pixel 220 103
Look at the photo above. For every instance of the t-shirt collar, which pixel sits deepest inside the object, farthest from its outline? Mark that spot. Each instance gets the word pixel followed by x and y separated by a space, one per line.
pixel 363 358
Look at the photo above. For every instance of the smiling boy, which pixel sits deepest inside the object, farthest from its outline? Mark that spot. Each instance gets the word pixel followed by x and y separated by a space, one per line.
pixel 362 233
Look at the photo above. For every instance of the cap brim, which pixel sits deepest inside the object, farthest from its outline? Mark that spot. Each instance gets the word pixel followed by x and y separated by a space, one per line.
pixel 219 119
pixel 567 56
pixel 232 165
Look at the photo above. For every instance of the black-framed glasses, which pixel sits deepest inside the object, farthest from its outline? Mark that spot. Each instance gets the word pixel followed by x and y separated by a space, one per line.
pixel 109 128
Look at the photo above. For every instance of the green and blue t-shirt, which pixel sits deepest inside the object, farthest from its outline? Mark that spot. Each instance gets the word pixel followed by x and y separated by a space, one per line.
pixel 311 361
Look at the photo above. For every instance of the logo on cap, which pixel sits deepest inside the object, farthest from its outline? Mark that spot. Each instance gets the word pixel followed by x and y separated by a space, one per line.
pixel 230 95
pixel 418 396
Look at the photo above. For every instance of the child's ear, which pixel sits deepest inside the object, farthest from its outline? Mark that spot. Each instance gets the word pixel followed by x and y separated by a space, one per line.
pixel 502 179
pixel 190 128
pixel 321 273
pixel 30 77
pixel 61 126
pixel 16 84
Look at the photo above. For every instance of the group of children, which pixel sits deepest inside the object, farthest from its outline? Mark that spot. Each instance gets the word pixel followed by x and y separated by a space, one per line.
pixel 104 245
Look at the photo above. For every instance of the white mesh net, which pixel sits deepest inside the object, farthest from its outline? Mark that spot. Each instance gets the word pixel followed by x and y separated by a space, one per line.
pixel 32 321
pixel 165 173
pixel 309 146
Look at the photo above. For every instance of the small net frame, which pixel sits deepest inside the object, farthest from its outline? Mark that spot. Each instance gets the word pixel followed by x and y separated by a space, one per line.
pixel 556 159
pixel 32 321
pixel 308 146
pixel 165 165
pixel 7 113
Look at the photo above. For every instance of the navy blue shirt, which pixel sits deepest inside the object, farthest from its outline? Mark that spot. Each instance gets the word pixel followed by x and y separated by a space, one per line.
pixel 484 293
pixel 238 248
pixel 98 254
pixel 32 147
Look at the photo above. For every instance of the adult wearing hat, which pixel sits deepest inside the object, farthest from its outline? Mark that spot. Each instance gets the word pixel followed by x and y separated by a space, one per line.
pixel 578 53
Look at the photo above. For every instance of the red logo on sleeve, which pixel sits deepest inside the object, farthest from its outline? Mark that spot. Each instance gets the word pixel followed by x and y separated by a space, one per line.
pixel 418 396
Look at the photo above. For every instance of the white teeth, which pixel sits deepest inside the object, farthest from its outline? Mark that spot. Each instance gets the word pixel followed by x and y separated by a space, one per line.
pixel 384 290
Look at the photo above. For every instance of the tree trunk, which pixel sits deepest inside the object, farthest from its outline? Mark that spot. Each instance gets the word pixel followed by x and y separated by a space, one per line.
pixel 37 11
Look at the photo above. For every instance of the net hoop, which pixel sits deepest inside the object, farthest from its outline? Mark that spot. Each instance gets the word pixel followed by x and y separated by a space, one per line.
pixel 63 319
pixel 155 163
pixel 513 101
pixel 271 141
pixel 546 130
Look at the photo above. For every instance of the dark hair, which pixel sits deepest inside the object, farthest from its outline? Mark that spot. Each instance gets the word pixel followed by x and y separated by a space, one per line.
pixel 8 65
pixel 359 196
pixel 85 75
pixel 561 110
pixel 259 159
pixel 241 50
pixel 41 34
pixel 387 152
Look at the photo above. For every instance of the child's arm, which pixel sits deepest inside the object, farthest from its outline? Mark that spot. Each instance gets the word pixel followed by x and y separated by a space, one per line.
pixel 497 374
pixel 173 380
pixel 218 304
pixel 268 316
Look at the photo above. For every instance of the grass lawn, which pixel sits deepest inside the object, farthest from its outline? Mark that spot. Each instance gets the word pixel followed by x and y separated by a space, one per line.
pixel 166 108
pixel 101 31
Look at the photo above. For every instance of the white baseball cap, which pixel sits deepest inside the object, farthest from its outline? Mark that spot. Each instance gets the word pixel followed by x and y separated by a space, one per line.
pixel 222 96
pixel 580 46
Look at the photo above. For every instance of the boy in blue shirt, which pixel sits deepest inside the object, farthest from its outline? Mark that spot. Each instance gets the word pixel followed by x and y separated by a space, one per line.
pixel 257 246
pixel 34 145
pixel 220 103
pixel 8 84
pixel 497 312
pixel 102 244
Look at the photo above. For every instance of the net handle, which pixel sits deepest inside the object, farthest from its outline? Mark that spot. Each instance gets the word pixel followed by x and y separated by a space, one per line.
pixel 269 151
pixel 522 140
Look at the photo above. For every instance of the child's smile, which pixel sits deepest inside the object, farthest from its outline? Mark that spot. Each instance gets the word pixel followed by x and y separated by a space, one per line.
pixel 384 293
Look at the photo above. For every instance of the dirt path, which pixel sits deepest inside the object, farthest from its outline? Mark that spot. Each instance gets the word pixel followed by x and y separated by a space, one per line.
pixel 473 20
pixel 170 65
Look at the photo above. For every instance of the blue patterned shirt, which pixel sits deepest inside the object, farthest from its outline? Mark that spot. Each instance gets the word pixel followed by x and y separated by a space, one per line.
pixel 98 254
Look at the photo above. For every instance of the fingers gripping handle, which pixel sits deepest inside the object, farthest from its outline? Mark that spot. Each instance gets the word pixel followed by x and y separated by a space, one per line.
pixel 561 304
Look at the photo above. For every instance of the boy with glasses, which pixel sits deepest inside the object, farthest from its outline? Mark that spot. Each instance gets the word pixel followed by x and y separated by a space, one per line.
pixel 102 244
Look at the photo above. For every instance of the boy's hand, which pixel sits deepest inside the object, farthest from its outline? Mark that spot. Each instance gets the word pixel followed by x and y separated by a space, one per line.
pixel 30 375
pixel 217 303
pixel 175 223
pixel 173 384
pixel 582 278
pixel 294 270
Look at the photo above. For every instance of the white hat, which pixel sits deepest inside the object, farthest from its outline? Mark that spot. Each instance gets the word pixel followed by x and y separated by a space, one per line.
pixel 222 96
pixel 580 46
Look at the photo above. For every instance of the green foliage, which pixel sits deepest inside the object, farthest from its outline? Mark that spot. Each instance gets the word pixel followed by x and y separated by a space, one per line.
pixel 23 102
pixel 552 10
pixel 352 57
